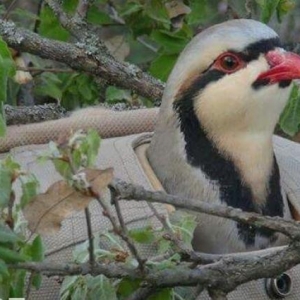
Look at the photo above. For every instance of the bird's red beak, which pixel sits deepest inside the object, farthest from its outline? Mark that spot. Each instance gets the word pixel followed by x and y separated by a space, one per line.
pixel 283 66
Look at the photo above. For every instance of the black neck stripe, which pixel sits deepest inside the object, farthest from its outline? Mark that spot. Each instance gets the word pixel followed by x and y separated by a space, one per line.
pixel 202 153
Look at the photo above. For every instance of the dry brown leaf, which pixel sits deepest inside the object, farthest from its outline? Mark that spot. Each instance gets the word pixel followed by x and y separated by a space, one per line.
pixel 99 179
pixel 118 47
pixel 121 256
pixel 46 211
pixel 177 8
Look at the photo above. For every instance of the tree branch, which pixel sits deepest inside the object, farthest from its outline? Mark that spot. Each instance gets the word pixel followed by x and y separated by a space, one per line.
pixel 129 191
pixel 224 275
pixel 33 114
pixel 82 57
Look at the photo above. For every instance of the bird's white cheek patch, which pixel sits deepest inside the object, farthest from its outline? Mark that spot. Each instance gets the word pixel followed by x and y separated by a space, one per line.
pixel 240 120
pixel 231 103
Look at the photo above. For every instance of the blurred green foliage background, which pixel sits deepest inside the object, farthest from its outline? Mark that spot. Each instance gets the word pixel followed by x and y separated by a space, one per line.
pixel 148 33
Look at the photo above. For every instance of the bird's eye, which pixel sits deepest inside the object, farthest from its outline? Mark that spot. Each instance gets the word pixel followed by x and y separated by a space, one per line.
pixel 228 63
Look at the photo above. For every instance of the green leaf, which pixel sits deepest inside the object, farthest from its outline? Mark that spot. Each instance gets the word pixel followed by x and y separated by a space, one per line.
pixel 127 286
pixel 268 8
pixel 49 85
pixel 7 235
pixel 37 249
pixel 290 117
pixel 4 287
pixel 157 11
pixel 7 69
pixel 37 280
pixel 81 253
pixel 100 288
pixel 80 293
pixel 165 294
pixel 78 89
pixel 29 191
pixel 171 43
pixel 164 246
pixel 97 16
pixel 139 23
pixel 93 139
pixel 76 158
pixel 284 7
pixel 162 66
pixel 7 62
pixel 5 186
pixel 184 223
pixel 201 12
pixel 70 5
pixel 10 164
pixel 130 8
pixel 3 270
pixel 11 256
pixel 50 26
pixel 2 125
pixel 63 168
pixel 19 283
pixel 3 84
pixel 114 94
pixel 142 235
pixel 67 284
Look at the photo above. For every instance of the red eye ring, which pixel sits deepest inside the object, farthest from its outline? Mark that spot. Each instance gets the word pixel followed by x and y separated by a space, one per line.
pixel 228 62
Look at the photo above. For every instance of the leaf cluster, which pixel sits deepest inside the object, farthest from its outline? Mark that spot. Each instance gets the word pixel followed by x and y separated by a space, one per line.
pixel 14 247
pixel 74 159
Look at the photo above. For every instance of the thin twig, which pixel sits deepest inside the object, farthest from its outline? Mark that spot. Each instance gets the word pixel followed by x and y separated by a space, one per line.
pixel 119 214
pixel 10 218
pixel 50 70
pixel 120 231
pixel 9 9
pixel 82 9
pixel 126 237
pixel 90 237
pixel 248 7
pixel 79 30
pixel 172 236
pixel 147 45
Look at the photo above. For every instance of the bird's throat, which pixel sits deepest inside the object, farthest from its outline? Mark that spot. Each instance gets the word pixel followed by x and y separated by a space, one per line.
pixel 252 155
pixel 246 177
